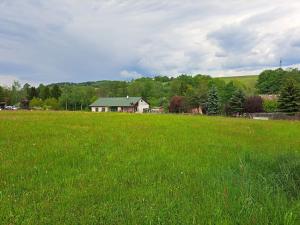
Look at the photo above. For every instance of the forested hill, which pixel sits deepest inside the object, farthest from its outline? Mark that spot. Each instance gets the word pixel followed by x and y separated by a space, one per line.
pixel 248 81
pixel 87 83
pixel 158 90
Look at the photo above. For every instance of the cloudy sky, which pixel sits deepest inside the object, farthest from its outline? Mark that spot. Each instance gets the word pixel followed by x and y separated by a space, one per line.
pixel 83 40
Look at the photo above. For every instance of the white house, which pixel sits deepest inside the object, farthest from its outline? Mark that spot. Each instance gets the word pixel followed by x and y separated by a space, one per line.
pixel 120 104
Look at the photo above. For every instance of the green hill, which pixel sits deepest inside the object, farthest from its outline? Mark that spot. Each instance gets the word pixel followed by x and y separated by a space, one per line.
pixel 245 82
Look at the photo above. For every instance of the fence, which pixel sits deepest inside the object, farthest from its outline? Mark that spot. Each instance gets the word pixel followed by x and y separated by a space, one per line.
pixel 274 116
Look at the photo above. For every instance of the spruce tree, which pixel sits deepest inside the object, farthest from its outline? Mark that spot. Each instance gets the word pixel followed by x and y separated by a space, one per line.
pixel 213 104
pixel 237 102
pixel 2 97
pixel 289 99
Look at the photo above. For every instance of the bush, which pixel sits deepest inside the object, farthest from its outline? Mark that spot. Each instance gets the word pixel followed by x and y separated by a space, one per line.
pixel 51 103
pixel 254 104
pixel 36 103
pixel 270 106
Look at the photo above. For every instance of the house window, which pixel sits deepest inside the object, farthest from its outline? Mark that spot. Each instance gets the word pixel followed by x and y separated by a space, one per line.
pixel 102 109
pixel 96 109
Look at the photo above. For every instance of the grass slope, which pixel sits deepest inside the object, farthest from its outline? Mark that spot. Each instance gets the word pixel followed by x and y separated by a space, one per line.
pixel 84 168
pixel 246 82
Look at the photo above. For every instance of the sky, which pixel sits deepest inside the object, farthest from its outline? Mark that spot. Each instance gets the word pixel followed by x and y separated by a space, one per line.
pixel 86 40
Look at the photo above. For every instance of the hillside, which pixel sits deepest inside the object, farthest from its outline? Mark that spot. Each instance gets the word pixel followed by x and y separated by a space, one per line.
pixel 246 82
pixel 85 168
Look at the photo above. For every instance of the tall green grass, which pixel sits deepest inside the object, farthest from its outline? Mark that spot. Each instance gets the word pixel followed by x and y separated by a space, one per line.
pixel 85 168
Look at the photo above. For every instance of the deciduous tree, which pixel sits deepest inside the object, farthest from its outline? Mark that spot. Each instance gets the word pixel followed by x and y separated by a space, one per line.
pixel 55 92
pixel 177 104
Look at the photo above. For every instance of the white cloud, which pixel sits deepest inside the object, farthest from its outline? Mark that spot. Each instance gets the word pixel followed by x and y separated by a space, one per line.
pixel 74 40
pixel 130 74
pixel 7 80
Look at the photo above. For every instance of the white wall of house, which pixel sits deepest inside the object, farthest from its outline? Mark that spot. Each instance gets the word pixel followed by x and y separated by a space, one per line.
pixel 99 109
pixel 140 108
pixel 142 105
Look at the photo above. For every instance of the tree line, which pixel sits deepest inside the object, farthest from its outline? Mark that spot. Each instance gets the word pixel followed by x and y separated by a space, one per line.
pixel 181 94
pixel 276 91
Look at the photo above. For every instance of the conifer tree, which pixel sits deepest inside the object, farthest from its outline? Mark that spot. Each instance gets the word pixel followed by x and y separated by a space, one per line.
pixel 237 102
pixel 289 99
pixel 2 97
pixel 213 104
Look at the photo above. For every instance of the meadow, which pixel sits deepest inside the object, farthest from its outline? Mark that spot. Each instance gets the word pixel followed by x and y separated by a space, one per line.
pixel 85 168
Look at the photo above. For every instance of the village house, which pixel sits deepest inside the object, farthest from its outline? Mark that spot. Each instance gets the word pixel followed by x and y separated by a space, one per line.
pixel 120 104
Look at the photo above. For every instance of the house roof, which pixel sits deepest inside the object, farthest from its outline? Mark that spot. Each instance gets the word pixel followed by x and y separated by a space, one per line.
pixel 116 101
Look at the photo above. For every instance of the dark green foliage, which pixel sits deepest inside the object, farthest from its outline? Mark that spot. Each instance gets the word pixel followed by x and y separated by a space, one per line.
pixel 237 102
pixel 55 92
pixel 289 99
pixel 228 91
pixel 213 104
pixel 293 73
pixel 29 92
pixel 162 78
pixel 269 81
pixel 44 92
pixel 26 91
pixel 2 97
pixel 33 93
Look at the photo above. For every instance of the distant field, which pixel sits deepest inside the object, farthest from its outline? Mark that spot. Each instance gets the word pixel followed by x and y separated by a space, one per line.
pixel 85 168
pixel 247 82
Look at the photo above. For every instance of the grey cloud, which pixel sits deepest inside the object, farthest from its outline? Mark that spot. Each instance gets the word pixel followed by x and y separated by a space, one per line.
pixel 234 38
pixel 74 40
pixel 296 43
pixel 221 54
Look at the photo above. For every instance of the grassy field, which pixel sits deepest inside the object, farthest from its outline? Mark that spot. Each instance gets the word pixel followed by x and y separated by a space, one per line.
pixel 85 168
pixel 246 82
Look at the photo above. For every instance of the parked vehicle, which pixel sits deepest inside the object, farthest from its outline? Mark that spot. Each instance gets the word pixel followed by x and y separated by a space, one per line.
pixel 11 107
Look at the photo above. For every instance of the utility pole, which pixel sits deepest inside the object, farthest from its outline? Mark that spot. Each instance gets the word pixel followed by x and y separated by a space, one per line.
pixel 280 63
